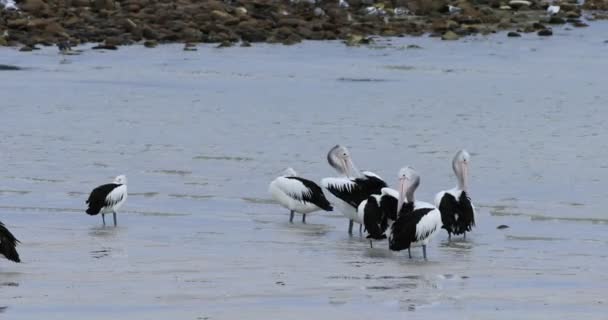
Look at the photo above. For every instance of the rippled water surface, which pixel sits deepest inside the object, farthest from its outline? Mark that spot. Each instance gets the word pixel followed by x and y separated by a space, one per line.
pixel 201 134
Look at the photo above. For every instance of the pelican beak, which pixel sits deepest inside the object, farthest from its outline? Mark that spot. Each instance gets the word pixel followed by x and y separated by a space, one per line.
pixel 464 168
pixel 346 167
pixel 402 189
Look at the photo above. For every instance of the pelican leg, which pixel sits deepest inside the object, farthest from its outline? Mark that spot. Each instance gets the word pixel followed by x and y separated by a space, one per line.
pixel 114 215
pixel 409 252
pixel 304 218
pixel 371 245
pixel 449 237
pixel 291 216
pixel 424 251
pixel 360 229
pixel 350 226
pixel 103 218
pixel 464 235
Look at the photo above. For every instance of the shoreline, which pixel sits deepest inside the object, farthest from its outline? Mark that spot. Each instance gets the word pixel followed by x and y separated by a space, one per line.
pixel 111 24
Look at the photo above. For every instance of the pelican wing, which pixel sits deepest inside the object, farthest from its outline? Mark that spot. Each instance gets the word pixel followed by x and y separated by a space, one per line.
pixel 8 244
pixel 305 190
pixel 457 213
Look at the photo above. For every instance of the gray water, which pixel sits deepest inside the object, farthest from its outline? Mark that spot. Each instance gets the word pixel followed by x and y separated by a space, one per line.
pixel 201 134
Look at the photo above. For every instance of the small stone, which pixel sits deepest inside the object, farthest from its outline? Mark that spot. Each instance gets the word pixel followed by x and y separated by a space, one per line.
pixel 545 33
pixel 190 47
pixel 573 14
pixel 8 67
pixel 26 49
pixel 519 3
pixel 224 44
pixel 413 46
pixel 150 43
pixel 319 12
pixel 105 47
pixel 502 226
pixel 245 44
pixel 240 11
pixel 513 34
pixel 450 35
pixel 556 20
pixel 580 24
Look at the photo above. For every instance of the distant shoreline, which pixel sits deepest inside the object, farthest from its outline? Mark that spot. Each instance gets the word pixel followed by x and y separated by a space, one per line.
pixel 111 24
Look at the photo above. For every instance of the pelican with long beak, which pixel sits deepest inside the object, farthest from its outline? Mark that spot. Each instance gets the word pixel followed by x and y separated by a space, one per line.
pixel 348 191
pixel 417 222
pixel 457 211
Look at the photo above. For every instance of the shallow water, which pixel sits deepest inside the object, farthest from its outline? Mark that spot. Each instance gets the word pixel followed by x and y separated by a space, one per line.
pixel 200 135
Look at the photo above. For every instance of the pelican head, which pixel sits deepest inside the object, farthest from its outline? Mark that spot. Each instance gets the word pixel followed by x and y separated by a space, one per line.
pixel 409 180
pixel 339 158
pixel 290 172
pixel 460 165
pixel 121 179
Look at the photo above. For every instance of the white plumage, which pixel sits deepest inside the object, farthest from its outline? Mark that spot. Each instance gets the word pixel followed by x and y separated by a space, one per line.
pixel 298 194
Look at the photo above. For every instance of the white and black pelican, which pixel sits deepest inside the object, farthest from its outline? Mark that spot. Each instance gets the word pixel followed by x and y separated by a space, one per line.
pixel 417 222
pixel 378 213
pixel 8 244
pixel 108 198
pixel 457 211
pixel 347 192
pixel 298 194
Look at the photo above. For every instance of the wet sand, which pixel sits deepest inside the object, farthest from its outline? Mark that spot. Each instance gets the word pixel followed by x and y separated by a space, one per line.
pixel 201 134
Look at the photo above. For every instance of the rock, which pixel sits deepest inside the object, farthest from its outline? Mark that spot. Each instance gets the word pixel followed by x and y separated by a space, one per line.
pixel 150 43
pixel 518 4
pixel 580 24
pixel 220 15
pixel 35 7
pixel 104 47
pixel 191 34
pixel 8 67
pixel 17 23
pixel 573 14
pixel 357 40
pixel 245 44
pixel 26 49
pixel 241 11
pixel 104 5
pixel 252 31
pixel 502 226
pixel 148 33
pixel 224 44
pixel 450 35
pixel 556 20
pixel 190 47
pixel 413 46
pixel 545 33
pixel 318 12
pixel 513 34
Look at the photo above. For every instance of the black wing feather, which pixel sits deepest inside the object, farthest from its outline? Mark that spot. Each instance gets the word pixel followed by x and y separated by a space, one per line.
pixel 316 194
pixel 374 220
pixel 8 244
pixel 363 188
pixel 457 216
pixel 97 198
pixel 404 228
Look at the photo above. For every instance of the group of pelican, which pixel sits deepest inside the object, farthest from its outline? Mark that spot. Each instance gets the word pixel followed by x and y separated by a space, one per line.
pixel 364 198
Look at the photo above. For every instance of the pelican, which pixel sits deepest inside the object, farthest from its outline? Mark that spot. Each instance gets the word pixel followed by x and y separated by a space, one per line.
pixel 298 194
pixel 8 244
pixel 108 198
pixel 347 192
pixel 417 222
pixel 377 213
pixel 457 211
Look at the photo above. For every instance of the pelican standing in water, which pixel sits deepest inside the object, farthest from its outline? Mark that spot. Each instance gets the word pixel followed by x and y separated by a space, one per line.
pixel 417 222
pixel 298 194
pixel 457 211
pixel 8 244
pixel 348 191
pixel 108 198
pixel 378 213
